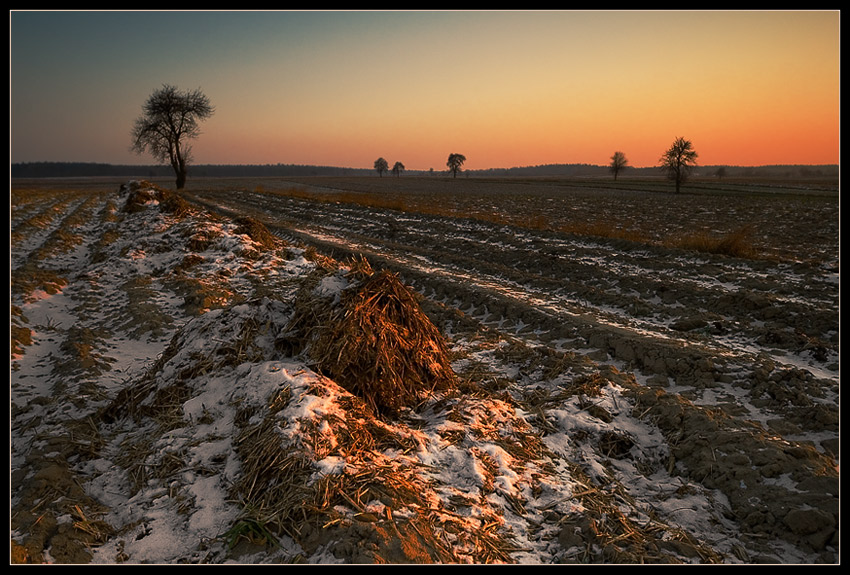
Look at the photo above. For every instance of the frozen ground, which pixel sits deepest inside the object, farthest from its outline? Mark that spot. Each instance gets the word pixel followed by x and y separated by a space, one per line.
pixel 617 403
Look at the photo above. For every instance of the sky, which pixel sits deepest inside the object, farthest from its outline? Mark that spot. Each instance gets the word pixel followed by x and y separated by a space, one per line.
pixel 503 88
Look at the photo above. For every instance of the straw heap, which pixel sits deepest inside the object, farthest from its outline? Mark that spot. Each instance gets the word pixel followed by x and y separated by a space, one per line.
pixel 381 346
pixel 139 194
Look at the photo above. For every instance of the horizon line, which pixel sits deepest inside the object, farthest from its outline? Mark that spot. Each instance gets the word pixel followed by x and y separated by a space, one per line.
pixel 80 162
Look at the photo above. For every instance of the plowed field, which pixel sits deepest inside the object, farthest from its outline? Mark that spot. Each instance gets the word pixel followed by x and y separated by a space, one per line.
pixel 630 394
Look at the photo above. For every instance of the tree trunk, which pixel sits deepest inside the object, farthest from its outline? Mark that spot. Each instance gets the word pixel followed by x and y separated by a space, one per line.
pixel 179 166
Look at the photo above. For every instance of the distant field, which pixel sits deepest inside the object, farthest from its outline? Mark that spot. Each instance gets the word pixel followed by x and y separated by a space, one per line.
pixel 790 220
pixel 793 220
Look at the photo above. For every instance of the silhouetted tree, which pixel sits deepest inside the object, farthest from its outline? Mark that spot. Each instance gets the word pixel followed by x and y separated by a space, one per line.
pixel 678 161
pixel 171 118
pixel 455 162
pixel 398 168
pixel 381 166
pixel 720 172
pixel 618 163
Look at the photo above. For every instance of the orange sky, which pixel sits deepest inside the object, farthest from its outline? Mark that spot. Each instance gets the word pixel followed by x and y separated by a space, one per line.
pixel 503 88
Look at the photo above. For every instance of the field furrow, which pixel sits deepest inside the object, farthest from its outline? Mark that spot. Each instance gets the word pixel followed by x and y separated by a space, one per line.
pixel 750 307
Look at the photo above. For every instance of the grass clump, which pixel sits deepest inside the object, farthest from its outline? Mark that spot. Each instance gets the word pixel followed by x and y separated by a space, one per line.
pixel 257 231
pixel 29 278
pixel 141 194
pixel 736 243
pixel 19 335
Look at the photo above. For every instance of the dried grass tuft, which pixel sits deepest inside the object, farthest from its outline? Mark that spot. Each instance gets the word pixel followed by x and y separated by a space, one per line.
pixel 737 243
pixel 141 194
pixel 381 346
pixel 257 231
pixel 275 479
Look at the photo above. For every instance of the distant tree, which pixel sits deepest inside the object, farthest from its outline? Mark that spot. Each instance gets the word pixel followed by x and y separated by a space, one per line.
pixel 398 168
pixel 170 118
pixel 455 162
pixel 720 172
pixel 381 166
pixel 618 163
pixel 678 161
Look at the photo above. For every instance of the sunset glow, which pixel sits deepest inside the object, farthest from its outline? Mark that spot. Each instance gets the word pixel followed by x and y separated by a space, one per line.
pixel 503 88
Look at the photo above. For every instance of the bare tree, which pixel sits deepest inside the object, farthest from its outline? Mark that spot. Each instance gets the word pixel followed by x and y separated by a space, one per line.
pixel 381 166
pixel 678 161
pixel 170 118
pixel 455 162
pixel 398 168
pixel 618 163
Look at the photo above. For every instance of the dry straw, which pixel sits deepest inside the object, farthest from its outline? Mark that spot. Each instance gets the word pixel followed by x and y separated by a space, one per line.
pixel 257 231
pixel 143 192
pixel 380 345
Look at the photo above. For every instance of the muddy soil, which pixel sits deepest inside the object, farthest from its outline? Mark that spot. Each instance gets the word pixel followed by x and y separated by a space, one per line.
pixel 734 361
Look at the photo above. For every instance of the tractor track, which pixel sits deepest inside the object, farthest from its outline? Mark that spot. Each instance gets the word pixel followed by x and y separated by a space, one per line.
pixel 658 311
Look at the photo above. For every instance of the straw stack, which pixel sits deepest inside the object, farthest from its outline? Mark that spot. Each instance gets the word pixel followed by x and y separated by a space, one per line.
pixel 377 342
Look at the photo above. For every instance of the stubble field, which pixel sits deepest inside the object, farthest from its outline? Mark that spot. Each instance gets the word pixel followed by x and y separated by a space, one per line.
pixel 673 359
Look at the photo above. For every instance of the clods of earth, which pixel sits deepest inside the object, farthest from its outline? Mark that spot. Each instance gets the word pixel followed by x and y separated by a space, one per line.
pixel 189 387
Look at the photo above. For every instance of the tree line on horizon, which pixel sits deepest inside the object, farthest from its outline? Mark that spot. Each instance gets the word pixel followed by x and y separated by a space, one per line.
pixel 677 163
pixel 454 164
pixel 22 170
pixel 171 118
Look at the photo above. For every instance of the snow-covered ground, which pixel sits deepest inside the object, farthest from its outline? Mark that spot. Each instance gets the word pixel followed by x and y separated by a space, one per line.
pixel 159 414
